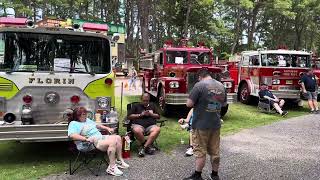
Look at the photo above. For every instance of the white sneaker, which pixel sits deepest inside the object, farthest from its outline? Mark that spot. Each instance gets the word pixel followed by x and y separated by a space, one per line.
pixel 189 151
pixel 114 171
pixel 122 164
pixel 184 126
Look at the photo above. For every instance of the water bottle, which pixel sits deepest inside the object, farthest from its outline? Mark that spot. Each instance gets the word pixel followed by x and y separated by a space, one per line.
pixel 113 115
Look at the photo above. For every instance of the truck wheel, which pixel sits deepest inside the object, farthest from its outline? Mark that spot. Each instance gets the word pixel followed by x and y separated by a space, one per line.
pixel 163 107
pixel 244 95
pixel 224 110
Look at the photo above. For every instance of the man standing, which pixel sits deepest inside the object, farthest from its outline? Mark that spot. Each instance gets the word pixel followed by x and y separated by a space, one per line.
pixel 133 78
pixel 144 122
pixel 309 89
pixel 207 97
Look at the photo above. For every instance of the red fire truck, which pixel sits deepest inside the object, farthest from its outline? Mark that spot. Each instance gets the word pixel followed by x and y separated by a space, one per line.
pixel 170 73
pixel 279 69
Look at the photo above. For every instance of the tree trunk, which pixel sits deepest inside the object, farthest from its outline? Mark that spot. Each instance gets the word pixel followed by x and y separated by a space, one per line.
pixel 143 13
pixel 186 24
pixel 237 30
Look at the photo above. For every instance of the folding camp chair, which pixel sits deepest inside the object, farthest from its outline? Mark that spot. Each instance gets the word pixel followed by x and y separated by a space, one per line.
pixel 127 123
pixel 84 159
pixel 264 105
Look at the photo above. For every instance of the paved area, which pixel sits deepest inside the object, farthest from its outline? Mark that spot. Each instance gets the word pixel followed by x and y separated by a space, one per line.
pixel 123 83
pixel 284 150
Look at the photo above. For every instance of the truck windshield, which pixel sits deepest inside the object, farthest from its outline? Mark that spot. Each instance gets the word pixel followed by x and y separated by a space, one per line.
pixel 199 58
pixel 177 57
pixel 29 52
pixel 285 60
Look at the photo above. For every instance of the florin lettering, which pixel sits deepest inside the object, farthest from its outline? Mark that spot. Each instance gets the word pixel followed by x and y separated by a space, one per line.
pixel 56 81
pixel 31 80
pixel 50 81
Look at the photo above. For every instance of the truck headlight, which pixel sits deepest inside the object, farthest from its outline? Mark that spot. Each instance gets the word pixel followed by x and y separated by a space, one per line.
pixel 227 85
pixel 276 81
pixel 174 84
pixel 103 103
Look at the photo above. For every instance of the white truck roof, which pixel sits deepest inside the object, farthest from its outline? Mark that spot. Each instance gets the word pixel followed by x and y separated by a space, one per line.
pixel 278 51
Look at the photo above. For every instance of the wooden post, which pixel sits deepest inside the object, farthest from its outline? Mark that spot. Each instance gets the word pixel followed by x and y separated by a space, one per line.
pixel 121 98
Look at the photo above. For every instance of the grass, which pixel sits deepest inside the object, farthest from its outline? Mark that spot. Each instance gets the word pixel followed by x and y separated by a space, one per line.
pixel 34 160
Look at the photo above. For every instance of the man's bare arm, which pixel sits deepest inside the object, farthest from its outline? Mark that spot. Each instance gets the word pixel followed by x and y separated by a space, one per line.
pixel 190 103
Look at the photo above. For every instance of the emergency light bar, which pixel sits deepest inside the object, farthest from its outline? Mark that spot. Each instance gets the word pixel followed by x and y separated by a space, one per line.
pixel 9 21
pixel 95 27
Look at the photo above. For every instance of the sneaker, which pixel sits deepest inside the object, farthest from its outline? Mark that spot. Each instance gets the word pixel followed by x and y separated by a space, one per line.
pixel 150 150
pixel 194 176
pixel 122 164
pixel 317 112
pixel 184 126
pixel 312 111
pixel 189 151
pixel 114 171
pixel 212 177
pixel 284 113
pixel 141 152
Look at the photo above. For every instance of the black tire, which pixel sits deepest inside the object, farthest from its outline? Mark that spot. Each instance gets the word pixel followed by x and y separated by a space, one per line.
pixel 244 95
pixel 224 110
pixel 163 107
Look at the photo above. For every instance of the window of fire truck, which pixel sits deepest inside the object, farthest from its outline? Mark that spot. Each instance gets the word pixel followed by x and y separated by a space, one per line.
pixel 177 57
pixel 285 60
pixel 50 52
pixel 200 58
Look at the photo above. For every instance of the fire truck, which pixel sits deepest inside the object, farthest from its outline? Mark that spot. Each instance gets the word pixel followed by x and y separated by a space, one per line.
pixel 280 69
pixel 45 72
pixel 170 74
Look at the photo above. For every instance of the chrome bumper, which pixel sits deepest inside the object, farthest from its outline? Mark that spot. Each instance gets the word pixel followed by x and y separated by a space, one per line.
pixel 39 133
pixel 181 99
pixel 288 94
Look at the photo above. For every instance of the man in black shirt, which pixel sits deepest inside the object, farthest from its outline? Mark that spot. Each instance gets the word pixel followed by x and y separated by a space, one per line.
pixel 309 89
pixel 144 121
pixel 267 96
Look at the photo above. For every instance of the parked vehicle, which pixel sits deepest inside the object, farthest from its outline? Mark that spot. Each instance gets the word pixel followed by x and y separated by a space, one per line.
pixel 45 72
pixel 170 73
pixel 280 69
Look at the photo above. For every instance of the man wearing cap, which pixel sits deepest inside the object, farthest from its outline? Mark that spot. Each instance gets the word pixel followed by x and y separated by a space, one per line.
pixel 267 96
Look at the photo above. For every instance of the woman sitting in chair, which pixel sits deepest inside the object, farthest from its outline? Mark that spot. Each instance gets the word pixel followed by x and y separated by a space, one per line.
pixel 87 137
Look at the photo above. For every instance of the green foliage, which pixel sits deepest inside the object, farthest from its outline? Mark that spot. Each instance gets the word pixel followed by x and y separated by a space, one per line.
pixel 228 25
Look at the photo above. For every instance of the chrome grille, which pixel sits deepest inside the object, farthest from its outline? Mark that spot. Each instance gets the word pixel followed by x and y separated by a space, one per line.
pixel 192 79
pixel 6 86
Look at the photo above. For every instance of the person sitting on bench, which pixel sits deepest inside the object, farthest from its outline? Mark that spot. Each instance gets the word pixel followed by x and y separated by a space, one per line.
pixel 267 97
pixel 82 130
pixel 144 122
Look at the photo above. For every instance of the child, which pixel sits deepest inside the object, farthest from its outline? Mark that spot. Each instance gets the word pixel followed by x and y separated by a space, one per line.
pixel 186 124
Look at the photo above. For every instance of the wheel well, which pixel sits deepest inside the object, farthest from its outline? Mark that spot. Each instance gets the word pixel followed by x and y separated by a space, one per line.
pixel 240 85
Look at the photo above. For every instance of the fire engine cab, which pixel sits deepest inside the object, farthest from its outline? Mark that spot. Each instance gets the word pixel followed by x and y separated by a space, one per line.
pixel 46 72
pixel 280 69
pixel 170 73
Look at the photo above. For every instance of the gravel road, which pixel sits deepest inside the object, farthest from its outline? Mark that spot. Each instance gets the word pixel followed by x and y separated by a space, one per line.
pixel 284 150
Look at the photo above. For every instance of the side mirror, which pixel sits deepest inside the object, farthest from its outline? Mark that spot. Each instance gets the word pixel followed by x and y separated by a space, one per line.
pixel 116 37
